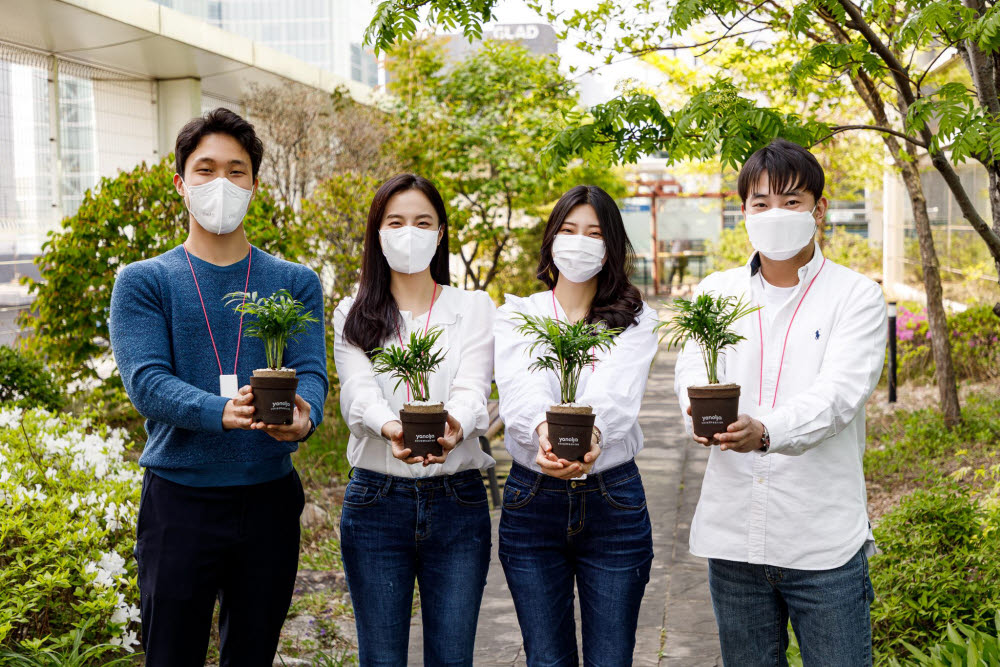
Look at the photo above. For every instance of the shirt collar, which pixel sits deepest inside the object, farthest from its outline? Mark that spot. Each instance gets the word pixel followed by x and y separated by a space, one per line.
pixel 805 272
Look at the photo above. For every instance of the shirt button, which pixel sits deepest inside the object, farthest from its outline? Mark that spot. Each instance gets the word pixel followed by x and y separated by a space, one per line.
pixel 760 480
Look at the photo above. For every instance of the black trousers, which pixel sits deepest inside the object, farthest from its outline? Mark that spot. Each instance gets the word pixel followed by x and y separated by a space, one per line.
pixel 239 544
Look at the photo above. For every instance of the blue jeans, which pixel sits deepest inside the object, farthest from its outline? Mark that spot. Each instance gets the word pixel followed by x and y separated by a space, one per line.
pixel 829 610
pixel 596 531
pixel 434 530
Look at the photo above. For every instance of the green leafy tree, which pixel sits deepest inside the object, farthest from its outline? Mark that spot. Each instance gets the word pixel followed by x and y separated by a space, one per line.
pixel 566 348
pixel 132 216
pixel 886 51
pixel 475 128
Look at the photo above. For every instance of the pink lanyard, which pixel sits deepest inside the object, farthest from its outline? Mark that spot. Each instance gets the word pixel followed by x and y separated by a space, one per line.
pixel 760 327
pixel 239 336
pixel 555 310
pixel 426 324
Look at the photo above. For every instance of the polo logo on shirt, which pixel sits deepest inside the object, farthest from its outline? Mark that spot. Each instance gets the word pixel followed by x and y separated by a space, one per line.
pixel 817 334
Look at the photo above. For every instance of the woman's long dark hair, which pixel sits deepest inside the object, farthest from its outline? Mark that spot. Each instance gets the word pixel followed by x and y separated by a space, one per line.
pixel 374 317
pixel 617 302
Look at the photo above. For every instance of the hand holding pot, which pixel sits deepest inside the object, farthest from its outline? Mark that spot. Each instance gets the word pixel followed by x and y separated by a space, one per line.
pixel 238 412
pixel 561 468
pixel 453 436
pixel 292 432
pixel 393 432
pixel 702 441
pixel 743 435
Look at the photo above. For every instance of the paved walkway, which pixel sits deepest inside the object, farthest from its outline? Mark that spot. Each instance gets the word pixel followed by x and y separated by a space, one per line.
pixel 676 625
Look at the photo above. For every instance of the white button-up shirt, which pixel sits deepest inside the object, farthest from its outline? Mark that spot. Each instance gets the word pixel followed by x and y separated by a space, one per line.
pixel 462 383
pixel 613 386
pixel 803 504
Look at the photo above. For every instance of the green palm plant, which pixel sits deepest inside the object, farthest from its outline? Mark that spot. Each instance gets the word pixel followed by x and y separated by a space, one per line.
pixel 708 320
pixel 566 348
pixel 278 319
pixel 411 364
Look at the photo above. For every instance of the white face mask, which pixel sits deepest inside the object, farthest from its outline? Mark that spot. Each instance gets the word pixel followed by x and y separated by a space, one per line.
pixel 409 249
pixel 219 205
pixel 780 234
pixel 578 257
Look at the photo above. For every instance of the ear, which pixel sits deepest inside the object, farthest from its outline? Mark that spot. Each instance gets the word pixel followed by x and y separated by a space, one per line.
pixel 821 207
pixel 440 234
pixel 179 185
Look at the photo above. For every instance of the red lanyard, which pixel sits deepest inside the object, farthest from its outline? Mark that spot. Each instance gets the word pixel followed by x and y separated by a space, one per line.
pixel 555 310
pixel 239 336
pixel 760 327
pixel 426 324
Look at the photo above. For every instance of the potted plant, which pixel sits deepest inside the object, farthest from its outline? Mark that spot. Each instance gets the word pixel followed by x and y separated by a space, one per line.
pixel 278 319
pixel 708 320
pixel 423 420
pixel 566 349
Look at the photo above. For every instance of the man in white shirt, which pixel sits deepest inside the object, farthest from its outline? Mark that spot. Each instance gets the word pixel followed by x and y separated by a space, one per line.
pixel 782 516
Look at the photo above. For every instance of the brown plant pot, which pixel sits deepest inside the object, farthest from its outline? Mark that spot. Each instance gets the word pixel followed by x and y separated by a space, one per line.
pixel 571 429
pixel 713 408
pixel 422 426
pixel 273 395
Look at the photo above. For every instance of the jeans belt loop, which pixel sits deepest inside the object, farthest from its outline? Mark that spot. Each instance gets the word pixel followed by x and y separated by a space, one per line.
pixel 386 485
pixel 448 489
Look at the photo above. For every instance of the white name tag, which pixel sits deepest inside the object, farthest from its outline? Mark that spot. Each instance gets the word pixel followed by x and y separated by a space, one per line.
pixel 229 386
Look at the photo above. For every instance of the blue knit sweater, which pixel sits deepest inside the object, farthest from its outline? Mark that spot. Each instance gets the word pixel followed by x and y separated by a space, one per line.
pixel 163 351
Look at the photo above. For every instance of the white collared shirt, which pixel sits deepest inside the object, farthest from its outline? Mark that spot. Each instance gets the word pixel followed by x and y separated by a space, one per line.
pixel 462 383
pixel 803 504
pixel 613 386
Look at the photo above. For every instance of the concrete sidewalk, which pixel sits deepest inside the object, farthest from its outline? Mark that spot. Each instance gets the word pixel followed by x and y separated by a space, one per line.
pixel 676 624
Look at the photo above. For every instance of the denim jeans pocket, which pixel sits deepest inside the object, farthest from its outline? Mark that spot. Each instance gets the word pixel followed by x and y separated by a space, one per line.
pixel 470 494
pixel 359 495
pixel 516 495
pixel 627 495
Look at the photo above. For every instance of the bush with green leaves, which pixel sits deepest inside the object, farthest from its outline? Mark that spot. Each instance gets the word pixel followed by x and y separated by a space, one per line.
pixel 77 654
pixel 962 646
pixel 411 364
pixel 26 382
pixel 277 320
pixel 939 565
pixel 708 320
pixel 566 348
pixel 68 503
pixel 975 344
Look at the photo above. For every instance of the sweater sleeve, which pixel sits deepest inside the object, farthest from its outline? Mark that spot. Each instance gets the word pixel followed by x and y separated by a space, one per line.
pixel 307 354
pixel 140 340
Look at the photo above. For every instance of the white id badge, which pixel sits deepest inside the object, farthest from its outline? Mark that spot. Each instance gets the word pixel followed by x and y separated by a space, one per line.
pixel 229 386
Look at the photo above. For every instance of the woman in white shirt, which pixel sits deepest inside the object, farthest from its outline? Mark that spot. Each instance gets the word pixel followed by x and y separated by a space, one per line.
pixel 585 520
pixel 407 517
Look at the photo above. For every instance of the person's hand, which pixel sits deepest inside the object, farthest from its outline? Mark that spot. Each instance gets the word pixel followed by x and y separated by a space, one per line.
pixel 453 436
pixel 293 432
pixel 702 441
pixel 554 466
pixel 238 412
pixel 742 436
pixel 393 432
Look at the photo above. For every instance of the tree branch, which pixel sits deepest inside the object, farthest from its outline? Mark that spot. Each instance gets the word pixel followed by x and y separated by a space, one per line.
pixel 877 128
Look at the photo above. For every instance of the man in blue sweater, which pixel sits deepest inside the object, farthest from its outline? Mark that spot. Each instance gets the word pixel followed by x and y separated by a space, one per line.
pixel 219 515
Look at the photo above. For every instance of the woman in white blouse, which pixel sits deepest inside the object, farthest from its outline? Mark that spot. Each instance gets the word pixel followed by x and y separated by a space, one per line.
pixel 586 520
pixel 405 517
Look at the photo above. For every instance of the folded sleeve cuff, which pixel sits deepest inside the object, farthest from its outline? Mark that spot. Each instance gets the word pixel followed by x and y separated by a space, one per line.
pixel 466 419
pixel 376 417
pixel 535 423
pixel 603 427
pixel 778 430
pixel 211 413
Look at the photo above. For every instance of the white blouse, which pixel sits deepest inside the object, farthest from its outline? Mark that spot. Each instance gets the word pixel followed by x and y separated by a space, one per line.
pixel 462 383
pixel 613 387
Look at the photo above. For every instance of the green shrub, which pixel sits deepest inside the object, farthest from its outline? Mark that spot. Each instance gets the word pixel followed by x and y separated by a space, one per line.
pixel 76 655
pixel 975 344
pixel 940 564
pixel 26 382
pixel 68 505
pixel 962 646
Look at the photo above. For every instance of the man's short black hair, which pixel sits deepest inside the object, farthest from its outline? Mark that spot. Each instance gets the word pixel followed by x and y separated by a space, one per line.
pixel 218 121
pixel 788 166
